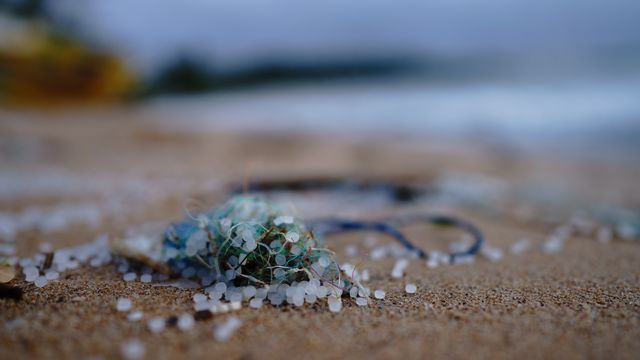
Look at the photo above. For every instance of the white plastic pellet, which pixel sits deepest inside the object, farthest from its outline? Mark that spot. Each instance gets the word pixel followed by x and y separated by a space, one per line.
pixel 282 220
pixel 310 298
pixel 292 236
pixel 132 349
pixel 130 276
pixel 156 324
pixel 220 287
pixel 379 294
pixel 40 281
pixel 398 268
pixel 135 316
pixel 31 273
pixel 351 250
pixel 52 275
pixel 519 246
pixel 185 322
pixel 365 275
pixel 553 244
pixel 224 332
pixel 322 291
pixel 324 261
pixel 255 303
pixel 146 278
pixel 492 254
pixel 248 292
pixel 410 288
pixel 361 301
pixel 123 304
pixel 198 298
pixel 335 304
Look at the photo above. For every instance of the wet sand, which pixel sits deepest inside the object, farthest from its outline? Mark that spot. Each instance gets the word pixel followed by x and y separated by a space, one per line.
pixel 583 302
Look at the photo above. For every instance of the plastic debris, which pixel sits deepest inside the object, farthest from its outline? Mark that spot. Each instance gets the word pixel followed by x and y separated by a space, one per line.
pixel 491 253
pixel 132 349
pixel 224 332
pixel 186 322
pixel 240 250
pixel 335 304
pixel 156 324
pixel 198 298
pixel 40 281
pixel 255 303
pixel 553 244
pixel 410 288
pixel 361 301
pixel 123 304
pixel 520 246
pixel 135 316
pixel 398 268
pixel 130 276
pixel 379 294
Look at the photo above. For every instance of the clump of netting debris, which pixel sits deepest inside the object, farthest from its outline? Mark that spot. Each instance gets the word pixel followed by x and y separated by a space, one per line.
pixel 250 241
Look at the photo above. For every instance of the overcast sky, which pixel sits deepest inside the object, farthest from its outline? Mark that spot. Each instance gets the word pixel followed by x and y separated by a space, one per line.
pixel 241 31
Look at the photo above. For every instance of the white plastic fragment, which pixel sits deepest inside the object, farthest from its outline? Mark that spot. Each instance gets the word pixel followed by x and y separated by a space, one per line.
pixel 335 304
pixel 156 324
pixel 123 304
pixel 553 244
pixel 45 247
pixel 132 349
pixel 283 220
pixel 135 316
pixel 224 331
pixel 52 275
pixel 378 253
pixel 31 273
pixel 186 322
pixel 198 298
pixel 40 281
pixel 255 303
pixel 379 294
pixel 520 246
pixel 491 253
pixel 249 291
pixel 351 250
pixel 146 278
pixel 399 267
pixel 220 287
pixel 410 288
pixel 130 276
pixel 292 236
pixel 364 276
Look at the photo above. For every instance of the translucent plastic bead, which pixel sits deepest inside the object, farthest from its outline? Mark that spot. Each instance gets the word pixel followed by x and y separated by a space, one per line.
pixel 410 288
pixel 335 304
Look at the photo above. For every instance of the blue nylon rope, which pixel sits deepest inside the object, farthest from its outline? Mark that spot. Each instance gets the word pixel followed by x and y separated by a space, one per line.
pixel 334 226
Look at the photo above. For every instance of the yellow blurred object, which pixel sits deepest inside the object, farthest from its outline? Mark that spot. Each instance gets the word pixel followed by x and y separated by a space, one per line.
pixel 49 69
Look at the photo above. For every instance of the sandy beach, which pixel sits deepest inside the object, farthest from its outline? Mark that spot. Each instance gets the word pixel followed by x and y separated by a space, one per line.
pixel 581 302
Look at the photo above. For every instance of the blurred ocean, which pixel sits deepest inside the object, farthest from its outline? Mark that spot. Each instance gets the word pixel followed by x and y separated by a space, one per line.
pixel 591 117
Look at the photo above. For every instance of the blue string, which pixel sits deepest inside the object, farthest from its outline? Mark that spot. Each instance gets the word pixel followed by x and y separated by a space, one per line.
pixel 334 226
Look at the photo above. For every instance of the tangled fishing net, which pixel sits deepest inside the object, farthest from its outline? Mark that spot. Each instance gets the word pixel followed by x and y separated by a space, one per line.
pixel 249 240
